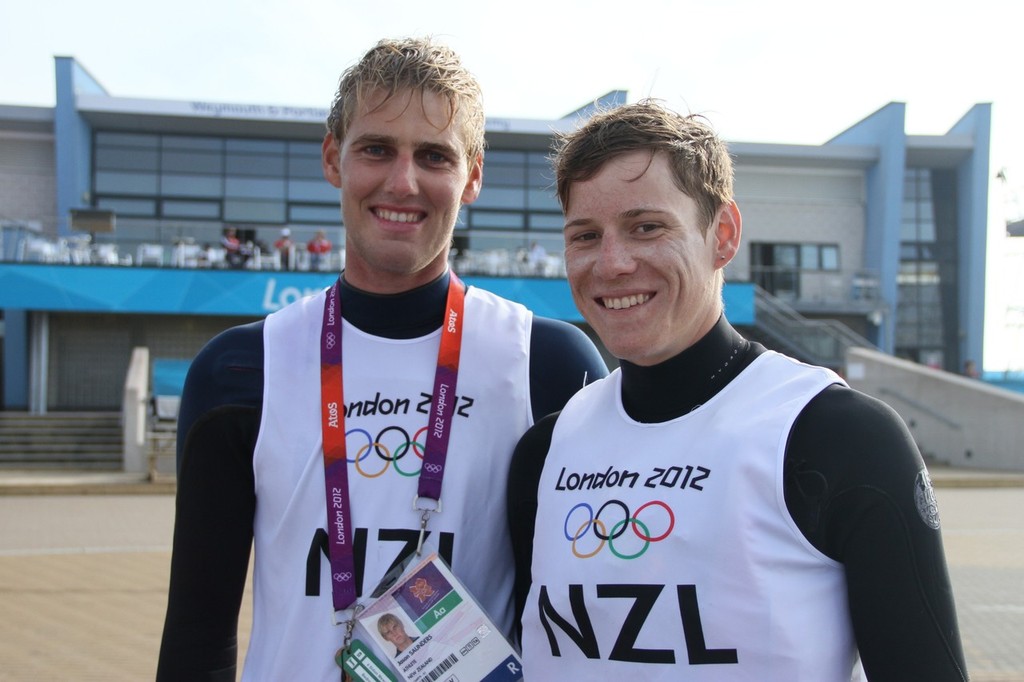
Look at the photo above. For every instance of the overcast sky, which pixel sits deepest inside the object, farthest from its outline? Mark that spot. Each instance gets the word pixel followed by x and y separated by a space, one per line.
pixel 790 71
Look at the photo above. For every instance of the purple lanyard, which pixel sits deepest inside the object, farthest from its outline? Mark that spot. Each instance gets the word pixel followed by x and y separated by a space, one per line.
pixel 442 409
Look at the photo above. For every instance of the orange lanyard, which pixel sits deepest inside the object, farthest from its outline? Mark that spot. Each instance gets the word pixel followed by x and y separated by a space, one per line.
pixel 442 410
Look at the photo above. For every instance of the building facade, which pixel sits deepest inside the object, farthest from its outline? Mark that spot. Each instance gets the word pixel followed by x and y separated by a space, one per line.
pixel 114 214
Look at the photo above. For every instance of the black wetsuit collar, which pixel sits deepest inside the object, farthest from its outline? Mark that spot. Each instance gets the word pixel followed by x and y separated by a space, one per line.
pixel 407 315
pixel 678 385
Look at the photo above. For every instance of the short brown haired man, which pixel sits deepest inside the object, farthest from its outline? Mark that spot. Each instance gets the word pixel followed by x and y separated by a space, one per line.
pixel 712 508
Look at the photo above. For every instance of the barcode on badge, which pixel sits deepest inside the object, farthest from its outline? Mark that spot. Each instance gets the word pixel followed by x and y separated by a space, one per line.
pixel 439 670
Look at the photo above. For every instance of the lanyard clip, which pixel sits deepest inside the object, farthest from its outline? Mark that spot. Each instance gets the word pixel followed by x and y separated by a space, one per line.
pixel 424 518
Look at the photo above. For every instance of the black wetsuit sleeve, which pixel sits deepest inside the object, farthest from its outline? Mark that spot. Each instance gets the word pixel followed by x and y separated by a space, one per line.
pixel 562 360
pixel 213 528
pixel 523 484
pixel 854 485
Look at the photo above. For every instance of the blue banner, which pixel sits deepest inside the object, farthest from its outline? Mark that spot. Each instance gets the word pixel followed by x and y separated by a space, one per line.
pixel 168 291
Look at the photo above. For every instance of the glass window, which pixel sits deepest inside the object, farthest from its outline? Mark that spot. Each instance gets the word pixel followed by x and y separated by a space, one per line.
pixel 538 159
pixel 191 185
pixel 547 221
pixel 498 197
pixel 132 207
pixel 298 213
pixel 504 175
pixel 543 199
pixel 926 231
pixel 924 187
pixel 256 188
pixel 255 164
pixel 829 257
pixel 112 182
pixel 500 156
pixel 497 220
pixel 255 146
pixel 126 159
pixel 909 209
pixel 305 167
pixel 313 190
pixel 214 144
pixel 254 211
pixel 190 209
pixel 541 177
pixel 786 256
pixel 191 162
pixel 908 231
pixel 809 259
pixel 305 149
pixel 127 140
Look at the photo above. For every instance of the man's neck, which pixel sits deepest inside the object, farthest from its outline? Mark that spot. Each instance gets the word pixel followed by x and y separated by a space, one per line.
pixel 404 315
pixel 682 383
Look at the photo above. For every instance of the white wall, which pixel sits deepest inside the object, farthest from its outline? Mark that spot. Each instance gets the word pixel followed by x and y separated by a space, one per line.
pixel 28 179
pixel 955 420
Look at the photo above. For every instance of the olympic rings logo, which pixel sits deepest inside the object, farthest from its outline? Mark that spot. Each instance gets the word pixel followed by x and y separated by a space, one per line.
pixel 330 340
pixel 341 577
pixel 432 468
pixel 575 531
pixel 391 445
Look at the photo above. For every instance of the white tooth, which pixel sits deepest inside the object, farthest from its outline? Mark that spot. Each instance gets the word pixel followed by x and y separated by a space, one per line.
pixel 397 217
pixel 625 301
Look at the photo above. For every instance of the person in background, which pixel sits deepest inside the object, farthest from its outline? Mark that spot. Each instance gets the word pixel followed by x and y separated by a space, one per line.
pixel 397 384
pixel 711 509
pixel 319 248
pixel 537 258
pixel 285 248
pixel 234 252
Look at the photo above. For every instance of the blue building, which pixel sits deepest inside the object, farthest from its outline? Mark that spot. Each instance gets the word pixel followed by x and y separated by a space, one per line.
pixel 113 210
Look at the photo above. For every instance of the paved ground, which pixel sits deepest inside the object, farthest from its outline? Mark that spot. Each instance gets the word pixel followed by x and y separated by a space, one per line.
pixel 83 575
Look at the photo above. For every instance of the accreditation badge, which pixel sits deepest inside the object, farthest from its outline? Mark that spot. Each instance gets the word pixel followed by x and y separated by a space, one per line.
pixel 427 626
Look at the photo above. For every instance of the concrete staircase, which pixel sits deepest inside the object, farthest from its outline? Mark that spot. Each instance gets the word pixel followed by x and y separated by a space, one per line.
pixel 61 440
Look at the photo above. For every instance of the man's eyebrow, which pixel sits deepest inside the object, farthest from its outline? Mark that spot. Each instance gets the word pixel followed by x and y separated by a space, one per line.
pixel 641 210
pixel 627 214
pixel 446 149
pixel 375 138
pixel 578 223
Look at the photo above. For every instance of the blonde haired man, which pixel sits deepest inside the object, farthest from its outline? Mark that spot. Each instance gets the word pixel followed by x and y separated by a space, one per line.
pixel 309 435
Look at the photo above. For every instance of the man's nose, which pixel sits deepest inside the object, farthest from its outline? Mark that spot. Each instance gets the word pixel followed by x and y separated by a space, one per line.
pixel 614 258
pixel 402 177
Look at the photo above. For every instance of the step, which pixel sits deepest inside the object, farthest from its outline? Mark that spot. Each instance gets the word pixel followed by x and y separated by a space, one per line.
pixel 69 440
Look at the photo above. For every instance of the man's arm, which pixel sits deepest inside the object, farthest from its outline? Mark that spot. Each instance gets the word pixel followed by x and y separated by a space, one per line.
pixel 855 487
pixel 562 360
pixel 217 427
pixel 523 481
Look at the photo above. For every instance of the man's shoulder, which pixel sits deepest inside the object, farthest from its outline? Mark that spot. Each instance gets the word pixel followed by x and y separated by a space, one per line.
pixel 235 349
pixel 558 333
pixel 841 407
pixel 859 432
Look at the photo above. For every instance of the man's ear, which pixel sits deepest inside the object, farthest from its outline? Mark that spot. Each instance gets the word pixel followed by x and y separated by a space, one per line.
pixel 330 160
pixel 728 229
pixel 475 180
